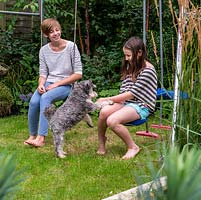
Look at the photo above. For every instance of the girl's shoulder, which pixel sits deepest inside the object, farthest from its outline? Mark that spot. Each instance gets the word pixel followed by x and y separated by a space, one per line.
pixel 150 69
pixel 69 43
pixel 44 48
pixel 149 65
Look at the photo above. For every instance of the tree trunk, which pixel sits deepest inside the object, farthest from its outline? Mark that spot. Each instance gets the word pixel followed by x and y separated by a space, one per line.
pixel 87 23
pixel 80 36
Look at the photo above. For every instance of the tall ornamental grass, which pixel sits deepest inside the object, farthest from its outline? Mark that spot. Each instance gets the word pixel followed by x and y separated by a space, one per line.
pixel 188 122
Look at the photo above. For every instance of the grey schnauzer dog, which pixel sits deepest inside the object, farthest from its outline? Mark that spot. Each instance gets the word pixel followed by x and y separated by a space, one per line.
pixel 73 110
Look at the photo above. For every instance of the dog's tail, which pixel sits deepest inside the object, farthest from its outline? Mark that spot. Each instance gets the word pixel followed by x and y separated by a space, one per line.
pixel 49 111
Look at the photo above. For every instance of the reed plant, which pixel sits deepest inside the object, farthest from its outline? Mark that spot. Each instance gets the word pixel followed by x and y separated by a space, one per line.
pixel 188 121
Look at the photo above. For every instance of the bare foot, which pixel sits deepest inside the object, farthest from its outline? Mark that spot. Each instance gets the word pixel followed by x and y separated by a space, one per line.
pixel 39 141
pixel 101 151
pixel 101 148
pixel 29 140
pixel 131 153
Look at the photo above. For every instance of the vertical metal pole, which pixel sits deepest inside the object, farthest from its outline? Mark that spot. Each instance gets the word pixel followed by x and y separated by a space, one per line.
pixel 176 88
pixel 177 75
pixel 161 56
pixel 41 11
pixel 144 21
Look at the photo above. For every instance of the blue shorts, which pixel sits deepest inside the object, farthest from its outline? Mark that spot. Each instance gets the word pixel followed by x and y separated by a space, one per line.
pixel 142 111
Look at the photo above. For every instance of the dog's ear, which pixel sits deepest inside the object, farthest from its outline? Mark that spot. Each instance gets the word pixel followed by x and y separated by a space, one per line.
pixel 91 83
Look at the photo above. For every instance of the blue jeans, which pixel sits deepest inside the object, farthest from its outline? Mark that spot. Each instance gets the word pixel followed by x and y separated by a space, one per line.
pixel 38 124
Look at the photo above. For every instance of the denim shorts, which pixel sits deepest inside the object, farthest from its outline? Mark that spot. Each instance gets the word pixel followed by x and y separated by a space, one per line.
pixel 142 111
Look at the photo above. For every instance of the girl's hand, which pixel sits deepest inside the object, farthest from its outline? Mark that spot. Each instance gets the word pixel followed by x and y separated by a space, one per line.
pixel 51 86
pixel 100 100
pixel 41 89
pixel 104 102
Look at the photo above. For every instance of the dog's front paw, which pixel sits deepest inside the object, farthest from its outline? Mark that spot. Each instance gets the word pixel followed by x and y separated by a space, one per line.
pixel 61 155
pixel 64 153
pixel 98 106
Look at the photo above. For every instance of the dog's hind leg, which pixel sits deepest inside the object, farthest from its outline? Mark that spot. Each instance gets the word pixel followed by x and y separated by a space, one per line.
pixel 59 143
pixel 88 120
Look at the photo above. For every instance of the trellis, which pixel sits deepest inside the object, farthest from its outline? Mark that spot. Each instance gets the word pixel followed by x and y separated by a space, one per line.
pixel 40 14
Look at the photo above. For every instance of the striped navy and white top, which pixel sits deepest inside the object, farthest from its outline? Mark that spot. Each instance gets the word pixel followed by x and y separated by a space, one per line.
pixel 143 89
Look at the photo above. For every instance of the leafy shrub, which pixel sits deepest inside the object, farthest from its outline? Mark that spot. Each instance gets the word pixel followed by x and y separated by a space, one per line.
pixel 104 67
pixel 23 102
pixel 111 23
pixel 6 100
pixel 21 59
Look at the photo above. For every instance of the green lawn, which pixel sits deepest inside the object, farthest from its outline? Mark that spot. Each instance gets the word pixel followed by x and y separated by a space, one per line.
pixel 82 175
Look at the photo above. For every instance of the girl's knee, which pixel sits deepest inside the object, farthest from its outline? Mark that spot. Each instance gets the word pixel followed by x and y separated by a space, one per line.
pixel 45 99
pixel 112 122
pixel 34 102
pixel 103 114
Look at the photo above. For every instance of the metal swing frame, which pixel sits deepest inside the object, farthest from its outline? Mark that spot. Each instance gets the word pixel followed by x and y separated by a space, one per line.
pixel 147 133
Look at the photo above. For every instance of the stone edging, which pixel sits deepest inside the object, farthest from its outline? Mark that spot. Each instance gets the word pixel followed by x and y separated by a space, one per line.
pixel 132 193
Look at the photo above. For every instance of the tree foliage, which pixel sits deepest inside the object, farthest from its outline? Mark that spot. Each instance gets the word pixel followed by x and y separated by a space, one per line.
pixel 102 27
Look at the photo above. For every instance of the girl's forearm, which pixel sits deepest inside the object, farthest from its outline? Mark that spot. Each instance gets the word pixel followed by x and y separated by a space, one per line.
pixel 71 79
pixel 41 80
pixel 121 97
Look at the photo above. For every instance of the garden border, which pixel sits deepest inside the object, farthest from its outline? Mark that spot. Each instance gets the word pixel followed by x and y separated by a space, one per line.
pixel 131 194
